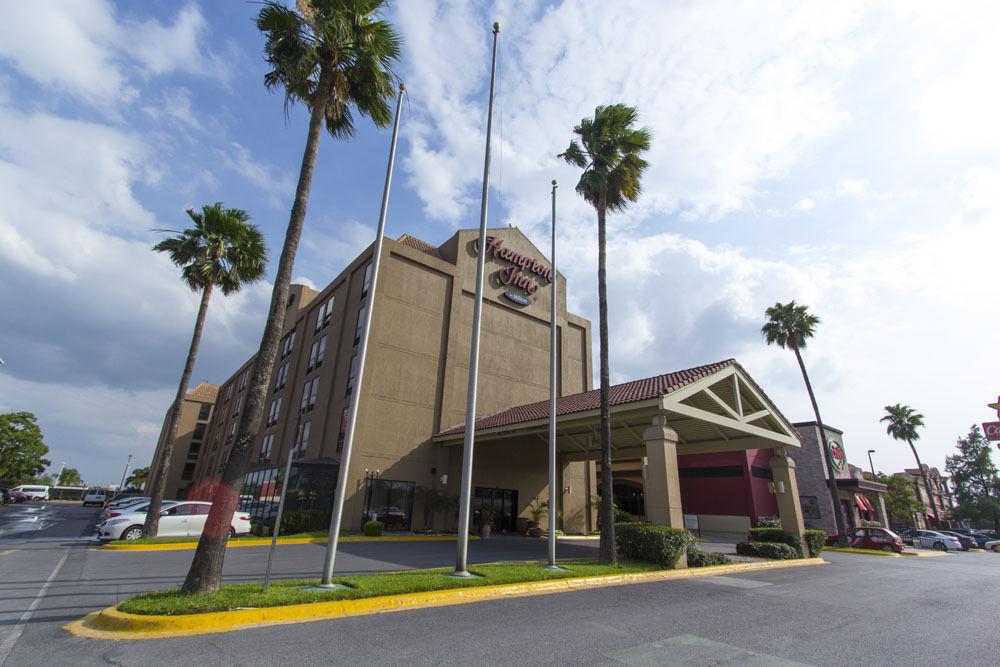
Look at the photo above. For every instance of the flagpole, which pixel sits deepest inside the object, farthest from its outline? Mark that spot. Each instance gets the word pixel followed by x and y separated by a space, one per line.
pixel 345 457
pixel 465 498
pixel 281 499
pixel 553 378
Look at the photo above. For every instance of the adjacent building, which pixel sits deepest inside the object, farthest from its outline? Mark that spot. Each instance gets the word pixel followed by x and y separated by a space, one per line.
pixel 192 432
pixel 937 507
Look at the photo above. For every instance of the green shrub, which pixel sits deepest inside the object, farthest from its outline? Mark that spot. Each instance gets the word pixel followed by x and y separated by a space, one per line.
pixel 768 522
pixel 815 540
pixel 776 535
pixel 621 516
pixel 699 558
pixel 303 521
pixel 649 543
pixel 374 528
pixel 773 550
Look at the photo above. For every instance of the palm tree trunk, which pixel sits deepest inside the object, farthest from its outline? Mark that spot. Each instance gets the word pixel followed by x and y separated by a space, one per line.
pixel 607 553
pixel 205 573
pixel 927 484
pixel 838 512
pixel 156 496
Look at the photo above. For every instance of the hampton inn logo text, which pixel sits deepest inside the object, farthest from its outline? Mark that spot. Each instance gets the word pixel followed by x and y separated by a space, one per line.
pixel 520 275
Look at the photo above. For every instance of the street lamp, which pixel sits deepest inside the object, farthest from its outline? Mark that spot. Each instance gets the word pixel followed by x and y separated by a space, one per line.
pixel 870 452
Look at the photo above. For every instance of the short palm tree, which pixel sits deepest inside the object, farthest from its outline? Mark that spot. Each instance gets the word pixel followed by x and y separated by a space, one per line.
pixel 336 57
pixel 790 326
pixel 222 250
pixel 902 423
pixel 608 148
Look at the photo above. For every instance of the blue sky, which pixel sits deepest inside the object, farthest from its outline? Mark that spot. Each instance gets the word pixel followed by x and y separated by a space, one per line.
pixel 842 156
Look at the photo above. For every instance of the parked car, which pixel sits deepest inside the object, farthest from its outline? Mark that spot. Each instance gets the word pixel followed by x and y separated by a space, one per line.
pixel 15 496
pixel 967 541
pixel 181 519
pixel 95 495
pixel 908 536
pixel 124 495
pixel 992 545
pixel 34 492
pixel 932 539
pixel 125 501
pixel 982 537
pixel 875 538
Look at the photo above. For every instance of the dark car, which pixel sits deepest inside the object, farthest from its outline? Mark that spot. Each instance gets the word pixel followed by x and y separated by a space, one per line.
pixel 908 535
pixel 982 537
pixel 14 496
pixel 881 539
pixel 968 542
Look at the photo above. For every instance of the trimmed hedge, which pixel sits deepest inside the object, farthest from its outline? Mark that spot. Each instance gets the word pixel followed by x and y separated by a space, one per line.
pixel 775 535
pixel 699 558
pixel 373 528
pixel 772 550
pixel 304 521
pixel 649 543
pixel 815 540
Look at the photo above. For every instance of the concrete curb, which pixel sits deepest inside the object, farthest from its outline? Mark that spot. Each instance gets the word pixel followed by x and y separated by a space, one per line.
pixel 117 625
pixel 925 554
pixel 266 541
pixel 866 552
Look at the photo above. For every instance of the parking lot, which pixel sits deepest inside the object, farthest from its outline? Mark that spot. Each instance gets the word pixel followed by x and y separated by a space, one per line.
pixel 858 609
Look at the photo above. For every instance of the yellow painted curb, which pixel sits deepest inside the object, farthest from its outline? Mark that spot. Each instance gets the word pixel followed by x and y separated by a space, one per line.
pixel 113 624
pixel 266 541
pixel 925 554
pixel 867 552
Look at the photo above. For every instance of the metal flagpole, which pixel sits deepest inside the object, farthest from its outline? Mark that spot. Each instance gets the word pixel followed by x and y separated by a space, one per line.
pixel 553 376
pixel 465 499
pixel 345 457
pixel 281 499
pixel 125 472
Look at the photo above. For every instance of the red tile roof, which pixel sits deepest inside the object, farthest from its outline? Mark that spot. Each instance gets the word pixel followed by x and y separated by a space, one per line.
pixel 627 392
pixel 414 242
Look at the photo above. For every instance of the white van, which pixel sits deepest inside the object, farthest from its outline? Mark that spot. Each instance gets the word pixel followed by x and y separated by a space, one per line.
pixel 95 495
pixel 33 492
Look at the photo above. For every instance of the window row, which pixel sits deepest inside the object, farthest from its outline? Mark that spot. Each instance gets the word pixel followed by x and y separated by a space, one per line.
pixel 287 344
pixel 323 315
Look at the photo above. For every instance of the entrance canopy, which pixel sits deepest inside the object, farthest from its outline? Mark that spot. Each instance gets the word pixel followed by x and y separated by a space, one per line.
pixel 713 408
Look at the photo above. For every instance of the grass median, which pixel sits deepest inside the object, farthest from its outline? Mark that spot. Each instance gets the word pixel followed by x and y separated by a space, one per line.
pixel 288 592
pixel 238 538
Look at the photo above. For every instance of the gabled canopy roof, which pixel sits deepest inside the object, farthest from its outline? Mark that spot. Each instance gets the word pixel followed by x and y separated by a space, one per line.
pixel 715 407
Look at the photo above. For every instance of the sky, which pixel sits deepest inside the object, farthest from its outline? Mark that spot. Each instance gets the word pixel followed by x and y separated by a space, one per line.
pixel 844 155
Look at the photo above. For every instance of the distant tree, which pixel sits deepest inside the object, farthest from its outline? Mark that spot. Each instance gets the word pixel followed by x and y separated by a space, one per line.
pixel 22 449
pixel 138 478
pixel 976 480
pixel 901 498
pixel 902 423
pixel 43 480
pixel 70 477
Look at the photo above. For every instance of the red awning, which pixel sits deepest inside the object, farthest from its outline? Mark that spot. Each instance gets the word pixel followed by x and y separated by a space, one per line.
pixel 859 500
pixel 867 502
pixel 931 515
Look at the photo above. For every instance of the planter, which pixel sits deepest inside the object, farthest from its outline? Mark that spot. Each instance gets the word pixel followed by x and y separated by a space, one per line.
pixel 486 531
pixel 536 531
pixel 521 525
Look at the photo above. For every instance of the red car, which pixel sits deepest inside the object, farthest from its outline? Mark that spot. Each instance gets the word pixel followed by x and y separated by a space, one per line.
pixel 881 539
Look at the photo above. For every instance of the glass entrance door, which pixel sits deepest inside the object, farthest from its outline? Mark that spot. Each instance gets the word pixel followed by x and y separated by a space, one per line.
pixel 503 506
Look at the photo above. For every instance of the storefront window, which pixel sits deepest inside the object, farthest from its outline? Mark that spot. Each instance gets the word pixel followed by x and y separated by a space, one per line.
pixel 391 502
pixel 629 497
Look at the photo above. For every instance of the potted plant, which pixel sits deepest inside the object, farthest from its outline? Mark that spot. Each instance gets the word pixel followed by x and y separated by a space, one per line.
pixel 486 522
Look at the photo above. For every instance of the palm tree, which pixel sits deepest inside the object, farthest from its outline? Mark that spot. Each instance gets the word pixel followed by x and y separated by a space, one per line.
pixel 336 57
pixel 903 422
pixel 137 478
pixel 608 151
pixel 222 250
pixel 790 325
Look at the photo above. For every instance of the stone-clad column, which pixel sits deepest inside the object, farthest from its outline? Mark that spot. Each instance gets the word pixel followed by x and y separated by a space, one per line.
pixel 663 484
pixel 787 492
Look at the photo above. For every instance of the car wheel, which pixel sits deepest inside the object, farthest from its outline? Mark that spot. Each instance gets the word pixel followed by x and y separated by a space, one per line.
pixel 232 532
pixel 940 546
pixel 886 547
pixel 132 533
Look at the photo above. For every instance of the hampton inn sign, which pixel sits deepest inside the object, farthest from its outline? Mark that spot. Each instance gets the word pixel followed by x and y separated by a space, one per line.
pixel 519 274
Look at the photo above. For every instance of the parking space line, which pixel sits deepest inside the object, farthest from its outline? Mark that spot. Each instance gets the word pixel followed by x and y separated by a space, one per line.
pixel 7 552
pixel 15 633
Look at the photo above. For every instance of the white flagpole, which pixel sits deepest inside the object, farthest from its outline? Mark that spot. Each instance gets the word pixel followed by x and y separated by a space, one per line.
pixel 553 379
pixel 465 498
pixel 352 421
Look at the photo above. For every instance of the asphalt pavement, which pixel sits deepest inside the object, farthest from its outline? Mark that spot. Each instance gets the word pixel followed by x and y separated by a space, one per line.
pixel 857 610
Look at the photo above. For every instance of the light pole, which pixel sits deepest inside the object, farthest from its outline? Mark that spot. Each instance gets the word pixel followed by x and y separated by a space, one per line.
pixel 870 452
pixel 292 449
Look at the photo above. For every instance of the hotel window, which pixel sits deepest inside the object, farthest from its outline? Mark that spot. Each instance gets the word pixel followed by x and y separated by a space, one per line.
pixel 367 281
pixel 309 390
pixel 303 443
pixel 324 314
pixel 188 472
pixel 229 392
pixel 199 432
pixel 204 411
pixel 265 448
pixel 232 431
pixel 344 416
pixel 317 354
pixel 352 374
pixel 361 323
pixel 287 344
pixel 243 379
pixel 274 411
pixel 279 382
pixel 239 405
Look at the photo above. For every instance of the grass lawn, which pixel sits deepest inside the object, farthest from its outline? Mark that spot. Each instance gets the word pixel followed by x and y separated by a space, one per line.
pixel 238 538
pixel 285 592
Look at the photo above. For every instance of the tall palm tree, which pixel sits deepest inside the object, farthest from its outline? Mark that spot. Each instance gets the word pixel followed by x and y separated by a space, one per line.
pixel 790 325
pixel 222 250
pixel 608 151
pixel 336 57
pixel 902 424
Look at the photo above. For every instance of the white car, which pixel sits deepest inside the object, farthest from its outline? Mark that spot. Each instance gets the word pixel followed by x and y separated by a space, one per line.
pixel 124 505
pixel 931 539
pixel 182 519
pixel 95 495
pixel 138 507
pixel 33 492
pixel 993 545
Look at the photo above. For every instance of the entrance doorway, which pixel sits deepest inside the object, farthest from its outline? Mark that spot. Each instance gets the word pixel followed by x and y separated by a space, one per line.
pixel 502 502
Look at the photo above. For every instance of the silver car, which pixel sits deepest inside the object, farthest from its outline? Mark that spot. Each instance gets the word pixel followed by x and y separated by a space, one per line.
pixel 931 539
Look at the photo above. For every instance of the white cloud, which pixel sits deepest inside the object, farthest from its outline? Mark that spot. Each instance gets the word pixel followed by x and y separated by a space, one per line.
pixel 332 245
pixel 805 204
pixel 164 49
pixel 278 186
